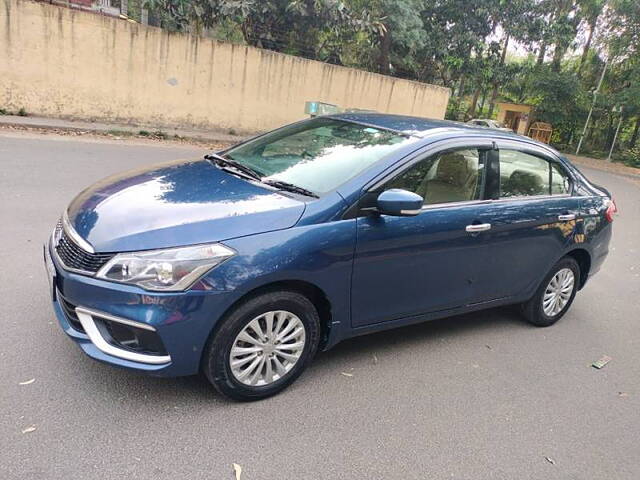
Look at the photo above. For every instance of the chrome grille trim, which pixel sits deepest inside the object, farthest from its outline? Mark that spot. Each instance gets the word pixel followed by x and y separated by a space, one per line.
pixel 71 232
pixel 73 257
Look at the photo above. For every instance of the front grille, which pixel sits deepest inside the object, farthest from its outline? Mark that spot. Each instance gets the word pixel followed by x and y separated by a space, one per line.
pixel 74 257
pixel 69 310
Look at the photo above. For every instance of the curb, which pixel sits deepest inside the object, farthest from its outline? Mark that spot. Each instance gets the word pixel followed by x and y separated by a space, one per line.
pixel 126 129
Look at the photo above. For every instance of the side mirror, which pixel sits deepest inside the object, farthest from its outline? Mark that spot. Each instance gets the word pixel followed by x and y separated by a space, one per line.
pixel 400 203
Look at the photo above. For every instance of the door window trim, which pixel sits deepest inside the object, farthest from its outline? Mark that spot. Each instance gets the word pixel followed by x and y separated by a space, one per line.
pixel 493 145
pixel 431 149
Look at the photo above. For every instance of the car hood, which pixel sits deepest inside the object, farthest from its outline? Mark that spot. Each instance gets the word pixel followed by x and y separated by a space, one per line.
pixel 174 204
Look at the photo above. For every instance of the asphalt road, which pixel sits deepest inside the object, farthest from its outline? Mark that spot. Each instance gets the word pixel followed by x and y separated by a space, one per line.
pixel 481 396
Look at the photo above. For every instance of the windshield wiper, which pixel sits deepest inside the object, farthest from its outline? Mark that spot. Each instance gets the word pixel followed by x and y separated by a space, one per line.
pixel 228 162
pixel 290 187
pixel 250 172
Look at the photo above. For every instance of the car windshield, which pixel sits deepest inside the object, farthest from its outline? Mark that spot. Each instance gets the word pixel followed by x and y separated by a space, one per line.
pixel 318 155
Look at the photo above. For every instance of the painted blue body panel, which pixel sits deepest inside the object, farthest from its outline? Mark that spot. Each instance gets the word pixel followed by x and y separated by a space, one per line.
pixel 172 203
pixel 375 271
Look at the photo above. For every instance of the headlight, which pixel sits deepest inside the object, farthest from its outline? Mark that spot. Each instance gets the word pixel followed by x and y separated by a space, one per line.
pixel 165 270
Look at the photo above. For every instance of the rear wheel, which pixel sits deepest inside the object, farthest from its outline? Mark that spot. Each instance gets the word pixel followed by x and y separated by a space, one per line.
pixel 555 294
pixel 263 345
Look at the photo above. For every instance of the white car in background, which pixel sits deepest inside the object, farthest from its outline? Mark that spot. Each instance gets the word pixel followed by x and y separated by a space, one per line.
pixel 487 122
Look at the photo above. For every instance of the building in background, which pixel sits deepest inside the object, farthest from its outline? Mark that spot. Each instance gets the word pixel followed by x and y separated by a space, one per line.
pixel 515 116
pixel 113 8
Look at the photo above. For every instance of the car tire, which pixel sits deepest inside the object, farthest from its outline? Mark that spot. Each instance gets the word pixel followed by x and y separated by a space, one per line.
pixel 541 310
pixel 285 309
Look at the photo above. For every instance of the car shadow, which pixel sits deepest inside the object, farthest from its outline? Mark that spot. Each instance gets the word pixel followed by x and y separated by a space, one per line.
pixel 196 390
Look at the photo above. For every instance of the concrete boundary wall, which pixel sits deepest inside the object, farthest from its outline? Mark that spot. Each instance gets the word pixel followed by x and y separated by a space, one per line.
pixel 66 63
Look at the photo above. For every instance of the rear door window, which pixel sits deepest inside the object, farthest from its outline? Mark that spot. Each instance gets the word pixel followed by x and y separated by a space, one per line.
pixel 526 175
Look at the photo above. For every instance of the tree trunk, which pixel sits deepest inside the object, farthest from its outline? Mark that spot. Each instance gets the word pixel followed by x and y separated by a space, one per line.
pixel 634 135
pixel 587 46
pixel 541 53
pixel 461 86
pixel 482 101
pixel 474 102
pixel 558 55
pixel 385 52
pixel 494 93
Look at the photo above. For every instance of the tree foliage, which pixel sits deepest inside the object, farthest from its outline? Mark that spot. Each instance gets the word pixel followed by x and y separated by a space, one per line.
pixel 548 53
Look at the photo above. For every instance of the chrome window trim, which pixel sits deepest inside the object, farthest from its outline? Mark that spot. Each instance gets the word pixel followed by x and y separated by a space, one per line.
pixel 86 319
pixel 433 206
pixel 70 231
pixel 525 198
pixel 464 203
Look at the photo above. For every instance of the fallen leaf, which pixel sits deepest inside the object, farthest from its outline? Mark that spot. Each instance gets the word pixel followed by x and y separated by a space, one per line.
pixel 601 362
pixel 488 346
pixel 550 460
pixel 30 429
pixel 375 359
pixel 237 469
pixel 346 374
pixel 27 382
pixel 623 394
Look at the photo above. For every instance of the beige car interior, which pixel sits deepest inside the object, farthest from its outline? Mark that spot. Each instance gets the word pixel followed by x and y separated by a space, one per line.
pixel 455 179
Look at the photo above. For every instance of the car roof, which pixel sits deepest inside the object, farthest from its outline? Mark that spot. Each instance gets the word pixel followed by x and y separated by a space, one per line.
pixel 417 126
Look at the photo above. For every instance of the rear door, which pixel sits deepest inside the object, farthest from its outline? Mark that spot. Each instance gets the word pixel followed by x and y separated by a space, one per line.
pixel 406 266
pixel 533 219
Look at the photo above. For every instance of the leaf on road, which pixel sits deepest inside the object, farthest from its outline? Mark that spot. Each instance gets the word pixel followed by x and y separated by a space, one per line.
pixel 237 469
pixel 27 382
pixel 623 394
pixel 601 362
pixel 550 460
pixel 375 359
pixel 346 374
pixel 30 429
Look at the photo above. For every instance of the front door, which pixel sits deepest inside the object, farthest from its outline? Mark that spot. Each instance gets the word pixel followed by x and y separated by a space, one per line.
pixel 406 266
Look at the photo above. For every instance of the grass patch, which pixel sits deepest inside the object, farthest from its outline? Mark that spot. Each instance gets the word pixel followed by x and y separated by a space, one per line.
pixel 119 133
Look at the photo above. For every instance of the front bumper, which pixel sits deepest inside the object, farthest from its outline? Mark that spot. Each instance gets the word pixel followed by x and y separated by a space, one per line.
pixel 182 321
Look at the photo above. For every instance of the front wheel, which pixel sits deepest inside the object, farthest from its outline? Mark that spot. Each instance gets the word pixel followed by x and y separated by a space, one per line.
pixel 555 294
pixel 263 345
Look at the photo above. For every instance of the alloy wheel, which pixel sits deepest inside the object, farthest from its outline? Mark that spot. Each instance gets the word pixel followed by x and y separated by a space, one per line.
pixel 267 348
pixel 558 292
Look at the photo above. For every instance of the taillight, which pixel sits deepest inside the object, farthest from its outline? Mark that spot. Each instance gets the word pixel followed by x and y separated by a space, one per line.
pixel 611 211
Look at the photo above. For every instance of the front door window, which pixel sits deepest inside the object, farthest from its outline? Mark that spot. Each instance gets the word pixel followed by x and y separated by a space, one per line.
pixel 453 176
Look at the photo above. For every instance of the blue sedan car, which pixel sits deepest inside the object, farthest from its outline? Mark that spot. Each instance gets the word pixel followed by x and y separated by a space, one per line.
pixel 243 264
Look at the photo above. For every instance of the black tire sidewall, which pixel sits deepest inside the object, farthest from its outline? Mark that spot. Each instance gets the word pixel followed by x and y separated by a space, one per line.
pixel 533 309
pixel 216 364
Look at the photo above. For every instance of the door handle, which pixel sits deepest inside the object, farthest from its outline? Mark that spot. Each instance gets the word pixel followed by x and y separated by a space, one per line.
pixel 480 227
pixel 567 217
